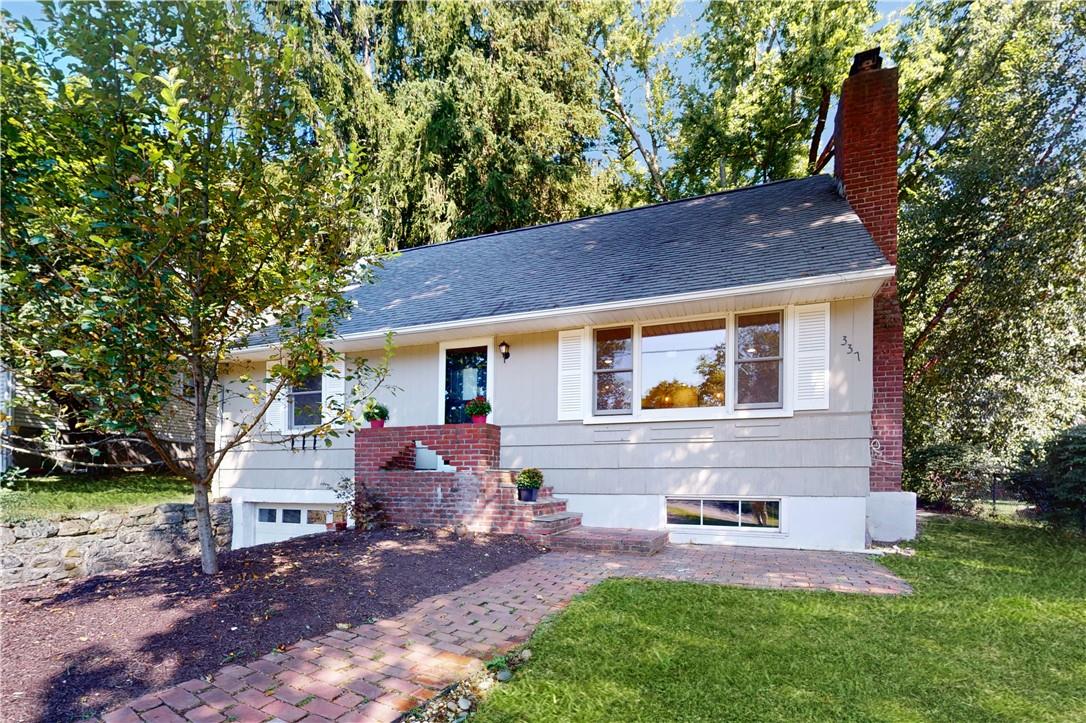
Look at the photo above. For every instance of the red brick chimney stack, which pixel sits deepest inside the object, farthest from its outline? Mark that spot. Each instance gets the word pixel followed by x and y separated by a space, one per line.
pixel 865 163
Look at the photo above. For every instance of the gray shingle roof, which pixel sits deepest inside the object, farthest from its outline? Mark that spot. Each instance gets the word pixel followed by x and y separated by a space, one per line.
pixel 773 232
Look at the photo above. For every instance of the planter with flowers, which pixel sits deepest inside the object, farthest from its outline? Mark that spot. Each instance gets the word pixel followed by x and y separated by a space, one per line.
pixel 529 480
pixel 375 413
pixel 477 409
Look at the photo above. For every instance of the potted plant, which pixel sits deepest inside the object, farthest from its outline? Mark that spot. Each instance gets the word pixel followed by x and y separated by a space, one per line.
pixel 375 413
pixel 478 408
pixel 529 480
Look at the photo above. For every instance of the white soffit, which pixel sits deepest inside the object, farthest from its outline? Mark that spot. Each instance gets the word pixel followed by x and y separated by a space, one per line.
pixel 835 287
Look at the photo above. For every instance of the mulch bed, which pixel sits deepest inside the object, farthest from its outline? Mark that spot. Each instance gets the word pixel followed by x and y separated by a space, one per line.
pixel 77 649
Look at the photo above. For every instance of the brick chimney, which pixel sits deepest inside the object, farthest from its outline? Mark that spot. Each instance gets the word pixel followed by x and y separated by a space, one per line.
pixel 865 164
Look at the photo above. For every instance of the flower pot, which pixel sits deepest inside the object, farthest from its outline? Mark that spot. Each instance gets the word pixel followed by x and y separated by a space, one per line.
pixel 527 494
pixel 479 419
pixel 377 423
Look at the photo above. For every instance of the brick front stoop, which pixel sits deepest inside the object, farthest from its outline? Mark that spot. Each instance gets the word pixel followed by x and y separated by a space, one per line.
pixel 470 491
pixel 377 672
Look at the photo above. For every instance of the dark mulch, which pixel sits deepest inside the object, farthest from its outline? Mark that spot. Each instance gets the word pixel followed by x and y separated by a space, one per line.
pixel 70 651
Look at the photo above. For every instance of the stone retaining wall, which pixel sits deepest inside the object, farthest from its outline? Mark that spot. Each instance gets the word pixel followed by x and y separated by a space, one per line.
pixel 40 550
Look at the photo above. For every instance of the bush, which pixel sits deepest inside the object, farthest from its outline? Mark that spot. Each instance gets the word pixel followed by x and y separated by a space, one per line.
pixel 530 478
pixel 1054 480
pixel 950 477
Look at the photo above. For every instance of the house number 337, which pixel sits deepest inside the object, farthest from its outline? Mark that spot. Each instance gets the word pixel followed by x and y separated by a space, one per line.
pixel 849 351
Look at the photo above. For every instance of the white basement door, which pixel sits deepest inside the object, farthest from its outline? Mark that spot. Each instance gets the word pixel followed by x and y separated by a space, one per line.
pixel 282 522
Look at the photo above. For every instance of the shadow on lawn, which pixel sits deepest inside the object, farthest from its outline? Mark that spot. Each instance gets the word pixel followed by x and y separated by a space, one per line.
pixel 166 623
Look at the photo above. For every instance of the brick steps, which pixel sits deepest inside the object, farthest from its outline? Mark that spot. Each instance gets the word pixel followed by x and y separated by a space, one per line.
pixel 470 490
pixel 609 539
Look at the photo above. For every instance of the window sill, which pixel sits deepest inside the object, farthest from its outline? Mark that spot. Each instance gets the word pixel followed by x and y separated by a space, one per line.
pixel 730 531
pixel 689 416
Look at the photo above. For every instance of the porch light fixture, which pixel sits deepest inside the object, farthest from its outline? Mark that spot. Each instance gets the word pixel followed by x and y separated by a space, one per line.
pixel 504 349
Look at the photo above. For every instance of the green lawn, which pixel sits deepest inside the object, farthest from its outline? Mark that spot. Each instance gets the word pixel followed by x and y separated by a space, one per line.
pixel 995 631
pixel 54 495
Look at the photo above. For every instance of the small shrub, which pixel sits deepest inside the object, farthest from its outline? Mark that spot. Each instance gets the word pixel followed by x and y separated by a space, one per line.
pixel 357 502
pixel 1053 479
pixel 12 476
pixel 950 477
pixel 529 478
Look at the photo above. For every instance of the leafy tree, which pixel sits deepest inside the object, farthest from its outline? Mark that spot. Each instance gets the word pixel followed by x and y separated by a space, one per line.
pixel 164 198
pixel 769 70
pixel 475 117
pixel 993 220
pixel 638 87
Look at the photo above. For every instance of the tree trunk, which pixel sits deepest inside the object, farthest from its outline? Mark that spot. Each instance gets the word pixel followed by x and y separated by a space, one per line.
pixel 209 560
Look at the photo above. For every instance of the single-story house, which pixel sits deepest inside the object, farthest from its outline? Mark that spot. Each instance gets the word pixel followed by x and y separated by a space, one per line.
pixel 725 368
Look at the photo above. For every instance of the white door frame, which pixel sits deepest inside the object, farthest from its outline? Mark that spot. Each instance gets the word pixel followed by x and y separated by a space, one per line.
pixel 488 342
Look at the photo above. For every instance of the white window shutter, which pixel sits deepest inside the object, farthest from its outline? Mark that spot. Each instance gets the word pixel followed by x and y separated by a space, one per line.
pixel 811 361
pixel 571 374
pixel 275 419
pixel 332 389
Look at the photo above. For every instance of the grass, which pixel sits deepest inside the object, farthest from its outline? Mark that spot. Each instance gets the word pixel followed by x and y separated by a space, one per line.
pixel 56 495
pixel 995 631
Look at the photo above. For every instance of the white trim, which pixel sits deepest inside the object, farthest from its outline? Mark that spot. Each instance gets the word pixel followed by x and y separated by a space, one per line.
pixel 881 273
pixel 488 342
pixel 728 411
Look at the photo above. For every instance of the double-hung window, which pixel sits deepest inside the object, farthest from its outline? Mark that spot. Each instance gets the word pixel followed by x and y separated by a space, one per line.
pixel 613 371
pixel 304 403
pixel 758 364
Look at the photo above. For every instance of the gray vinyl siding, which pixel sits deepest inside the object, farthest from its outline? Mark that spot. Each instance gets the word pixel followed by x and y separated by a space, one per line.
pixel 809 454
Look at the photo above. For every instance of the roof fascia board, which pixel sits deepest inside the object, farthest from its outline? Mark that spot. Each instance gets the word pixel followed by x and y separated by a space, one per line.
pixel 881 273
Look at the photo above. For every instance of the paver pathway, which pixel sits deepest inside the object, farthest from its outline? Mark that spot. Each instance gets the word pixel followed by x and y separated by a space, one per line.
pixel 376 672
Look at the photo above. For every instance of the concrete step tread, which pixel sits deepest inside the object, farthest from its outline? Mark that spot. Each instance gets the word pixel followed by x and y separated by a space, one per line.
pixel 542 501
pixel 609 539
pixel 618 533
pixel 555 516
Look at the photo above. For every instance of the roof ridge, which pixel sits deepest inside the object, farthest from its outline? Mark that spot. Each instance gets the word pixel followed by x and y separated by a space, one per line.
pixel 616 212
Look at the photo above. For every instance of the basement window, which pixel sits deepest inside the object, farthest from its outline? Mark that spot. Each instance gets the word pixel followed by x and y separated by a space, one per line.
pixel 724 514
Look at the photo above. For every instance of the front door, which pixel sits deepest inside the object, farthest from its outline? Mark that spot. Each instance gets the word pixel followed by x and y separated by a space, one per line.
pixel 465 379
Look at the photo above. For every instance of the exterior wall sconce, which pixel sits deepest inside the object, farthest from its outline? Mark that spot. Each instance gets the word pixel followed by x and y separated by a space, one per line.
pixel 504 349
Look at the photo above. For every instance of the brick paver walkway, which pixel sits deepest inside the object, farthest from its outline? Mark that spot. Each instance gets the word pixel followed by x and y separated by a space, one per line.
pixel 376 672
